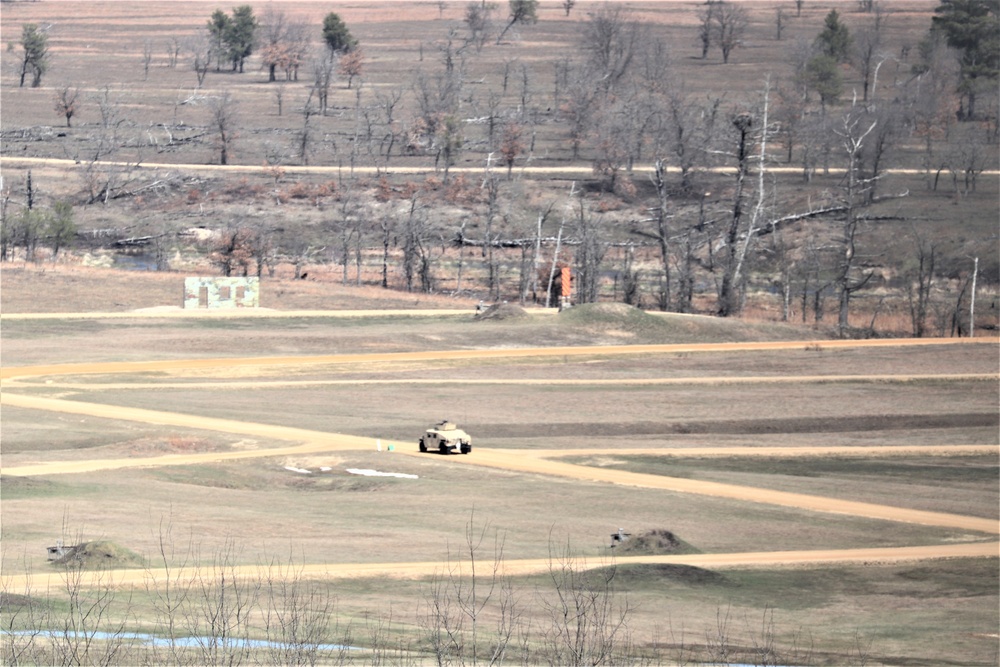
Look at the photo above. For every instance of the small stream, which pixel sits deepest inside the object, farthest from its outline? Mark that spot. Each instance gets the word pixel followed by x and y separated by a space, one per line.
pixel 178 642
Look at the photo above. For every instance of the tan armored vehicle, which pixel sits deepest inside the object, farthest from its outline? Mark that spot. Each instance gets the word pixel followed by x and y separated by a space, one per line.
pixel 446 437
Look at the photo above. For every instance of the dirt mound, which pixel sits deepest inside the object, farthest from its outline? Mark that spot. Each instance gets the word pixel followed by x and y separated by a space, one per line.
pixel 619 320
pixel 607 316
pixel 99 556
pixel 502 311
pixel 654 542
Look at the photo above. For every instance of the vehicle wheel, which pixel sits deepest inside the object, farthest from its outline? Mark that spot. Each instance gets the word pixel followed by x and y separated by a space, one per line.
pixel 423 447
pixel 443 448
pixel 466 450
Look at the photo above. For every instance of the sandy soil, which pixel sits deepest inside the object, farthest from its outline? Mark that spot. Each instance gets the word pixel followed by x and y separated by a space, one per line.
pixel 537 462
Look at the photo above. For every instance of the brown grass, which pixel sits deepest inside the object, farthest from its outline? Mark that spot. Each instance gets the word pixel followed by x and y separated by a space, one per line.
pixel 331 516
pixel 929 613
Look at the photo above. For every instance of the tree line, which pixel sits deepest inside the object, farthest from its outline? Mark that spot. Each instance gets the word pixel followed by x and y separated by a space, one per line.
pixel 618 102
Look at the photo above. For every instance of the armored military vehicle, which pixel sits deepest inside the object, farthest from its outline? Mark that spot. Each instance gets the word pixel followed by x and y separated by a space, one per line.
pixel 446 438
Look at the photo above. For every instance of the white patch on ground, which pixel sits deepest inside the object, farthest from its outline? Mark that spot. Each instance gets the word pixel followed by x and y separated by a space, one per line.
pixel 375 473
pixel 301 471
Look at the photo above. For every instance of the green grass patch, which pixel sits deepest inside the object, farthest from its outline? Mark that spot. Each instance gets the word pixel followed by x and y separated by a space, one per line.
pixel 792 589
pixel 13 487
pixel 945 470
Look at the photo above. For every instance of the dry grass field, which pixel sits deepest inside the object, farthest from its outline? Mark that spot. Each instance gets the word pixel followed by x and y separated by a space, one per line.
pixel 256 510
pixel 900 443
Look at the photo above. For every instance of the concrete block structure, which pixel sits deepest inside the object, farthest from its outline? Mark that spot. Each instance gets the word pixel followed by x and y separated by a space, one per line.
pixel 216 292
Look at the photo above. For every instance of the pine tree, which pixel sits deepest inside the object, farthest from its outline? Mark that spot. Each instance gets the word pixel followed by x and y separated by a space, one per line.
pixel 835 40
pixel 336 35
pixel 36 54
pixel 973 28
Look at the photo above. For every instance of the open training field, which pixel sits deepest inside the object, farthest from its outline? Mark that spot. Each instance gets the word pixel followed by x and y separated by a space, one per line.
pixel 787 499
pixel 833 500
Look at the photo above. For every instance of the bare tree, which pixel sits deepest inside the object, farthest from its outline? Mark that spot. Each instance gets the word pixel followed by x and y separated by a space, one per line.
pixel 479 21
pixel 220 610
pixel 611 38
pixel 588 618
pixel 233 252
pixel 352 64
pixel 262 248
pixel 728 286
pixel 347 228
pixel 166 592
pixel 521 11
pixel 224 122
pixel 274 51
pixel 105 174
pixel 448 143
pixel 414 235
pixel 387 227
pixel 491 187
pixel 92 629
pixel 66 103
pixel 854 131
pixel 387 101
pixel 718 640
pixel 729 24
pixel 967 156
pixel 919 284
pixel 323 68
pixel 589 254
pixel 202 54
pixel 305 134
pixel 661 232
pixel 706 21
pixel 147 57
pixel 692 127
pixel 296 618
pixel 868 54
pixel 173 51
pixel 614 130
pixel 581 103
pixel 753 128
pixel 511 144
pixel 473 590
pixel 285 43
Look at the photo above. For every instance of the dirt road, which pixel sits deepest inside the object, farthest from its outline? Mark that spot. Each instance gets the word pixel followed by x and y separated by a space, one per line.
pixel 501 353
pixel 568 170
pixel 515 567
pixel 532 462
pixel 535 462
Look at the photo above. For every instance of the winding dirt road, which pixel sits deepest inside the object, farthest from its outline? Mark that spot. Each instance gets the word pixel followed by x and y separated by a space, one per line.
pixel 540 462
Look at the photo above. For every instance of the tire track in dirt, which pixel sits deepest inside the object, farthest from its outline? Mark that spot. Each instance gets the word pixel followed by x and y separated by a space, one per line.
pixel 512 460
pixel 533 465
pixel 517 460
